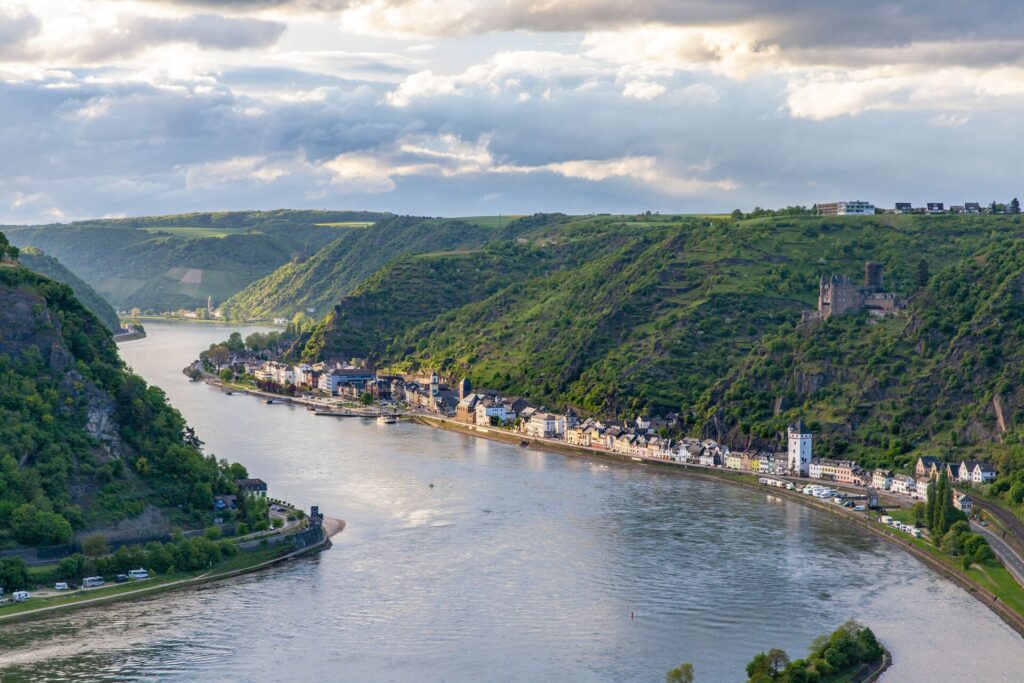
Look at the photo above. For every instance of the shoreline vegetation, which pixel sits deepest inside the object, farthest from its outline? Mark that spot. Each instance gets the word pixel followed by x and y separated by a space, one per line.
pixel 850 654
pixel 994 587
pixel 242 563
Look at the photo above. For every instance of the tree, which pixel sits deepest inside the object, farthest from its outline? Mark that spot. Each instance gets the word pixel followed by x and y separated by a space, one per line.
pixel 929 515
pixel 366 399
pixel 95 545
pixel 1014 205
pixel 72 568
pixel 13 574
pixel 235 342
pixel 33 526
pixel 218 355
pixel 923 274
pixel 681 674
pixel 7 250
pixel 226 375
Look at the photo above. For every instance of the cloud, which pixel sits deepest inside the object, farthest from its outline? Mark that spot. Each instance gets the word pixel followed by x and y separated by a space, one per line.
pixel 643 90
pixel 17 26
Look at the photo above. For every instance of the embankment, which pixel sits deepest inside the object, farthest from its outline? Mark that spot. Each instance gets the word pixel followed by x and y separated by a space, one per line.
pixel 331 528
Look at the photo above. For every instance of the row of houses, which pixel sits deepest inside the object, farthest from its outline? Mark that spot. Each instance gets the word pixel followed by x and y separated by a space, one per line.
pixel 861 208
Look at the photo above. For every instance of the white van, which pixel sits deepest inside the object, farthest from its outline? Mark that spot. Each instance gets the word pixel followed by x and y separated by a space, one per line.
pixel 140 573
pixel 92 581
pixel 20 596
pixel 886 519
pixel 60 586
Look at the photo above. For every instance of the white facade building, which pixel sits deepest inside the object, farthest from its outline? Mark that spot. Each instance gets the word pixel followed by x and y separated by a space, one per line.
pixel 799 454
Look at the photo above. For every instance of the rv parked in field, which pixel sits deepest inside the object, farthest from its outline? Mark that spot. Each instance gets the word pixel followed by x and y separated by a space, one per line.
pixel 92 581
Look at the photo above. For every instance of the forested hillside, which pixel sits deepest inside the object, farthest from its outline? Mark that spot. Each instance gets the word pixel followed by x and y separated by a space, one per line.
pixel 169 262
pixel 702 316
pixel 85 444
pixel 44 264
pixel 336 270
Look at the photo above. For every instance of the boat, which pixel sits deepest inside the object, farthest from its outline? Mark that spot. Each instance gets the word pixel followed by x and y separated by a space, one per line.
pixel 524 443
pixel 386 419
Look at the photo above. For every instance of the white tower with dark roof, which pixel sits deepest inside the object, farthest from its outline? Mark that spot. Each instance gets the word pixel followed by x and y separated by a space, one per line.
pixel 799 459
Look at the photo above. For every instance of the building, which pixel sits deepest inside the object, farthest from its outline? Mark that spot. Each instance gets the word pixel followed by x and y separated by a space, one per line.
pixel 927 467
pixel 881 479
pixel 904 485
pixel 976 472
pixel 799 453
pixel 963 503
pixel 465 411
pixel 936 207
pixel 921 487
pixel 838 295
pixel 849 208
pixel 331 380
pixel 545 426
pixel 840 471
pixel 465 387
pixel 734 461
pixel 490 411
pixel 972 208
pixel 252 487
pixel 904 207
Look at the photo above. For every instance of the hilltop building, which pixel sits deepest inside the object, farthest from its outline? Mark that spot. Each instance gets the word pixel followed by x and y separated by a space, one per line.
pixel 851 208
pixel 837 295
pixel 799 455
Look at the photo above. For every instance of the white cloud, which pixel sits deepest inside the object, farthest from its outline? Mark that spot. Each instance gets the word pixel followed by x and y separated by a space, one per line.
pixel 643 90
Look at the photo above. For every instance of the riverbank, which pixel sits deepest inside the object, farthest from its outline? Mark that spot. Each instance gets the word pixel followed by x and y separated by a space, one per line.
pixel 117 593
pixel 918 548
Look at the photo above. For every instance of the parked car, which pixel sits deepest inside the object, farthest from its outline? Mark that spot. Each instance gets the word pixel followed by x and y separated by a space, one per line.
pixel 139 573
pixel 60 586
pixel 859 508
pixel 122 578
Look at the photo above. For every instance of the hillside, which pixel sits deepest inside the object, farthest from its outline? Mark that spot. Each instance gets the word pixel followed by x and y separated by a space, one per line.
pixel 84 444
pixel 44 264
pixel 170 262
pixel 336 270
pixel 413 289
pixel 702 316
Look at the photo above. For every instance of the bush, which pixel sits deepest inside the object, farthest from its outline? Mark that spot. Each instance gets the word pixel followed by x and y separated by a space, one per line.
pixel 13 574
pixel 95 545
pixel 213 533
pixel 278 522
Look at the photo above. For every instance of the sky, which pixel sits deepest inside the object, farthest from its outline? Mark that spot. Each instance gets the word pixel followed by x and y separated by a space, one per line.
pixel 470 107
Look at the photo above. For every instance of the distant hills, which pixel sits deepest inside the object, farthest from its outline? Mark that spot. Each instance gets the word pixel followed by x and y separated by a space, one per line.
pixel 336 270
pixel 163 263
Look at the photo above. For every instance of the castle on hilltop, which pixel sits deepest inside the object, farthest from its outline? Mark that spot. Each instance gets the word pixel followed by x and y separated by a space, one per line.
pixel 837 295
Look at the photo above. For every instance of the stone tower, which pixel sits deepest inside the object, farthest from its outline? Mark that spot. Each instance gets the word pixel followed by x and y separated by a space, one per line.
pixel 465 388
pixel 799 454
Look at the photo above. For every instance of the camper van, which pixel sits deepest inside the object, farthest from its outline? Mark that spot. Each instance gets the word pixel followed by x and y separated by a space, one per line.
pixel 60 586
pixel 92 581
pixel 20 596
pixel 136 574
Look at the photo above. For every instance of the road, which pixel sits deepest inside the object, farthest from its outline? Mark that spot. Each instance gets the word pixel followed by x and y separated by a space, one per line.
pixel 1009 557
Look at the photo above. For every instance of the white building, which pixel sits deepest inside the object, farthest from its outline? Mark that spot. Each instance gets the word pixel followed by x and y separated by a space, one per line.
pixel 487 409
pixel 546 426
pixel 904 485
pixel 848 208
pixel 976 472
pixel 799 454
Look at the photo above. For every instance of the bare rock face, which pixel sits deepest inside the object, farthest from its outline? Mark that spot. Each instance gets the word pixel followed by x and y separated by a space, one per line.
pixel 27 324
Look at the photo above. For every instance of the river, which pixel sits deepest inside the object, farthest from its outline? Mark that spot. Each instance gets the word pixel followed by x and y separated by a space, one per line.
pixel 515 565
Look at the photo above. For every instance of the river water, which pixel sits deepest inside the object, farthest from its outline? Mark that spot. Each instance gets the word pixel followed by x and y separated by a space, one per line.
pixel 516 565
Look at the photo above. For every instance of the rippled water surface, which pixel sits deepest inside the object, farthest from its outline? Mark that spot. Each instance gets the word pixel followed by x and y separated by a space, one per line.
pixel 516 566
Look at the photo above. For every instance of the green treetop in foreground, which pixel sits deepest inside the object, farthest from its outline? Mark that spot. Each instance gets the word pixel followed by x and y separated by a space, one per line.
pixel 835 657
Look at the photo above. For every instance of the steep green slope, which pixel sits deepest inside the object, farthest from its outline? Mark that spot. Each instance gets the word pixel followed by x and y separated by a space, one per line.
pixel 944 377
pixel 41 263
pixel 665 307
pixel 415 288
pixel 334 271
pixel 84 444
pixel 169 262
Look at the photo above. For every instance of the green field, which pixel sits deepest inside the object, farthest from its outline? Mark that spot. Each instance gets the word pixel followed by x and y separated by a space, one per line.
pixel 190 232
pixel 490 221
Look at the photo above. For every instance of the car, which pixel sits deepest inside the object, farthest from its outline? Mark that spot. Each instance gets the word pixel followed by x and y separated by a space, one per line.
pixel 122 578
pixel 275 508
pixel 859 508
pixel 983 522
